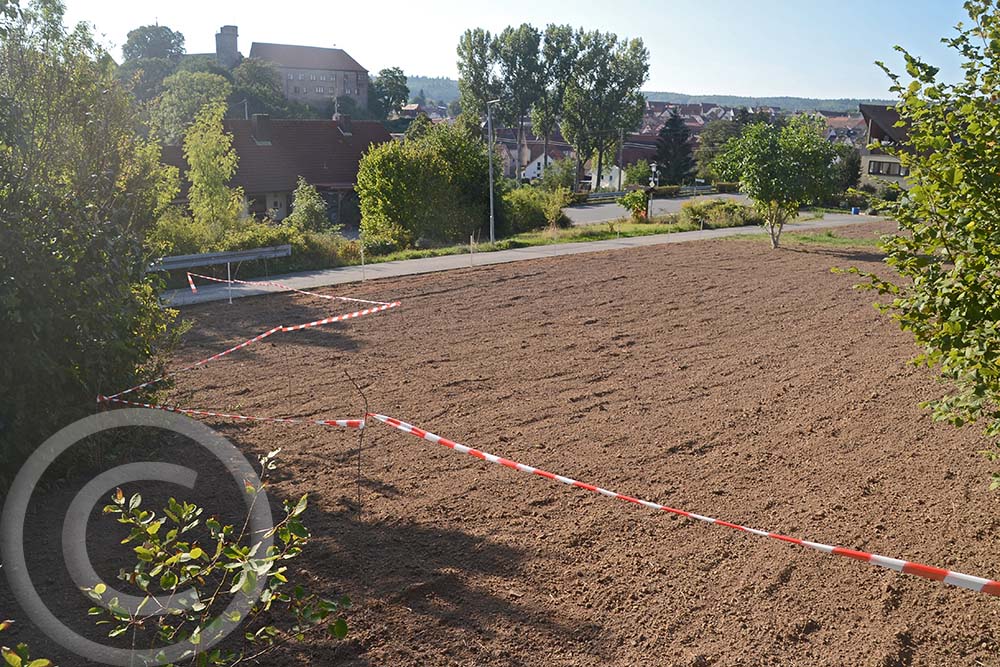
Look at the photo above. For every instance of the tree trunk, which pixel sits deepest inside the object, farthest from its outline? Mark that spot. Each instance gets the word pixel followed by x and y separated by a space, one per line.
pixel 579 168
pixel 600 167
pixel 545 153
pixel 774 228
pixel 520 145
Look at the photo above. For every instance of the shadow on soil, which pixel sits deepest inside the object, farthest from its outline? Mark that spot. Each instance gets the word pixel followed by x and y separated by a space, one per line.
pixel 401 574
pixel 846 254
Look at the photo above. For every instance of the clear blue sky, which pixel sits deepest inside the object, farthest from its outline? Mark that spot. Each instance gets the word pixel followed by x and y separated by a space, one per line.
pixel 804 48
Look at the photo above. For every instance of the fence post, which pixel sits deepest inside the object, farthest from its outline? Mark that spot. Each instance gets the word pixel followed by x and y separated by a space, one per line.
pixel 229 279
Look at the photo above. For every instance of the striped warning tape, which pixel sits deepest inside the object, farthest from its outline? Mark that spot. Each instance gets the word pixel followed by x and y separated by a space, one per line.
pixel 271 283
pixel 258 338
pixel 343 423
pixel 970 582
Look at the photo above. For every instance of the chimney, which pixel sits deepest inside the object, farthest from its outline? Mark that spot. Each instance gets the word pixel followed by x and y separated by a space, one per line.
pixel 260 128
pixel 344 123
pixel 226 50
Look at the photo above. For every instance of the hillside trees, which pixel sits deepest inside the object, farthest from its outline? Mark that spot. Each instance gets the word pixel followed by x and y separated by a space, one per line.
pixel 780 168
pixel 477 81
pixel 517 55
pixel 390 92
pixel 184 94
pixel 79 188
pixel 559 50
pixel 946 253
pixel 603 98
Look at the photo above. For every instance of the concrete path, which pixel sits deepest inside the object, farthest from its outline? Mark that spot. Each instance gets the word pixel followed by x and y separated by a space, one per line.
pixel 590 214
pixel 408 267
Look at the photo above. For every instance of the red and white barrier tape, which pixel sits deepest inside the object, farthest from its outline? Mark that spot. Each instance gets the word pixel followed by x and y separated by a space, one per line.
pixel 343 423
pixel 260 337
pixel 970 582
pixel 271 283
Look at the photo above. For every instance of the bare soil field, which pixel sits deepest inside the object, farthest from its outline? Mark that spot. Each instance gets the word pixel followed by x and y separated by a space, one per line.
pixel 719 377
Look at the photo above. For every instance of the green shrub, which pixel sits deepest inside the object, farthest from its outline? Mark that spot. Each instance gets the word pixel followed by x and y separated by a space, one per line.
pixel 666 191
pixel 723 187
pixel 556 201
pixel 578 198
pixel 559 174
pixel 638 173
pixel 525 209
pixel 79 192
pixel 635 202
pixel 718 213
pixel 176 233
pixel 309 210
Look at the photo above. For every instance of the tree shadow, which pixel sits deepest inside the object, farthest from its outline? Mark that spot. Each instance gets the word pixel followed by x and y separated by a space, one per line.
pixel 405 574
pixel 846 254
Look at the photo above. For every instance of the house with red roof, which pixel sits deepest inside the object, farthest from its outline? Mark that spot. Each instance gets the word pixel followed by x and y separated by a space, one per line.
pixel 274 153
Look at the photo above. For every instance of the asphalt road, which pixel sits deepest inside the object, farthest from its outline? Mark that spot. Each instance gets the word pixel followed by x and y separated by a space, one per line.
pixel 350 274
pixel 590 214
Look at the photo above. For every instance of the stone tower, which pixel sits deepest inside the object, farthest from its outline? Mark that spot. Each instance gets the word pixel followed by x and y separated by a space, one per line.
pixel 226 52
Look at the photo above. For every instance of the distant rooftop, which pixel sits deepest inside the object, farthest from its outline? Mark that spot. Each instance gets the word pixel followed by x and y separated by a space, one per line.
pixel 304 57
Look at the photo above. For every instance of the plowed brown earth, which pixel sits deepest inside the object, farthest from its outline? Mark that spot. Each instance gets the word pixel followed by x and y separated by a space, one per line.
pixel 718 377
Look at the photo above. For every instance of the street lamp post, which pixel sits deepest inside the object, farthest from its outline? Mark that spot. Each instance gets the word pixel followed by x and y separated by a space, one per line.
pixel 489 136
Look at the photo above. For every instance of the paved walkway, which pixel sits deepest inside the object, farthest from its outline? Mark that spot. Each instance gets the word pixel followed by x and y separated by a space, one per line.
pixel 590 214
pixel 409 267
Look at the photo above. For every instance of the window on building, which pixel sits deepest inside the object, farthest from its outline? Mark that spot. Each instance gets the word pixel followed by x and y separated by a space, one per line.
pixel 296 90
pixel 291 76
pixel 884 168
pixel 319 89
pixel 301 76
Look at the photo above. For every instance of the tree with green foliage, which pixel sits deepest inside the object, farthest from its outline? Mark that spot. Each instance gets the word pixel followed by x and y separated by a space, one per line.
pixel 79 188
pixel 477 81
pixel 780 169
pixel 309 212
pixel 257 84
pixel 847 168
pixel 153 41
pixel 516 52
pixel 420 126
pixel 212 162
pixel 946 252
pixel 434 185
pixel 560 174
pixel 711 140
pixel 638 173
pixel 454 108
pixel 184 95
pixel 390 91
pixel 673 152
pixel 419 98
pixel 603 97
pixel 559 49
pixel 144 78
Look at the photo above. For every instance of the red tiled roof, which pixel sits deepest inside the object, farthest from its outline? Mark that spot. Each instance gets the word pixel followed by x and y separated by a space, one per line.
pixel 304 57
pixel 313 149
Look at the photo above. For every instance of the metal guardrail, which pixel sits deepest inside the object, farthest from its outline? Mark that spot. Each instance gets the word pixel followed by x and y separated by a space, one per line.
pixel 697 190
pixel 213 258
pixel 605 195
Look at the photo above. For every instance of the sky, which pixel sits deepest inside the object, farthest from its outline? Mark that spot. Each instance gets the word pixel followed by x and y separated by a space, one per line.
pixel 802 48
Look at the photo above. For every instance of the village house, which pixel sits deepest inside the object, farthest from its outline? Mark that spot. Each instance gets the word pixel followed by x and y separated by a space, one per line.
pixel 877 166
pixel 274 153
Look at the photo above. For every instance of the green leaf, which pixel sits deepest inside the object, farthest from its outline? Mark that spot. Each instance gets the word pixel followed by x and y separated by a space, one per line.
pixel 40 662
pixel 339 628
pixel 11 658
